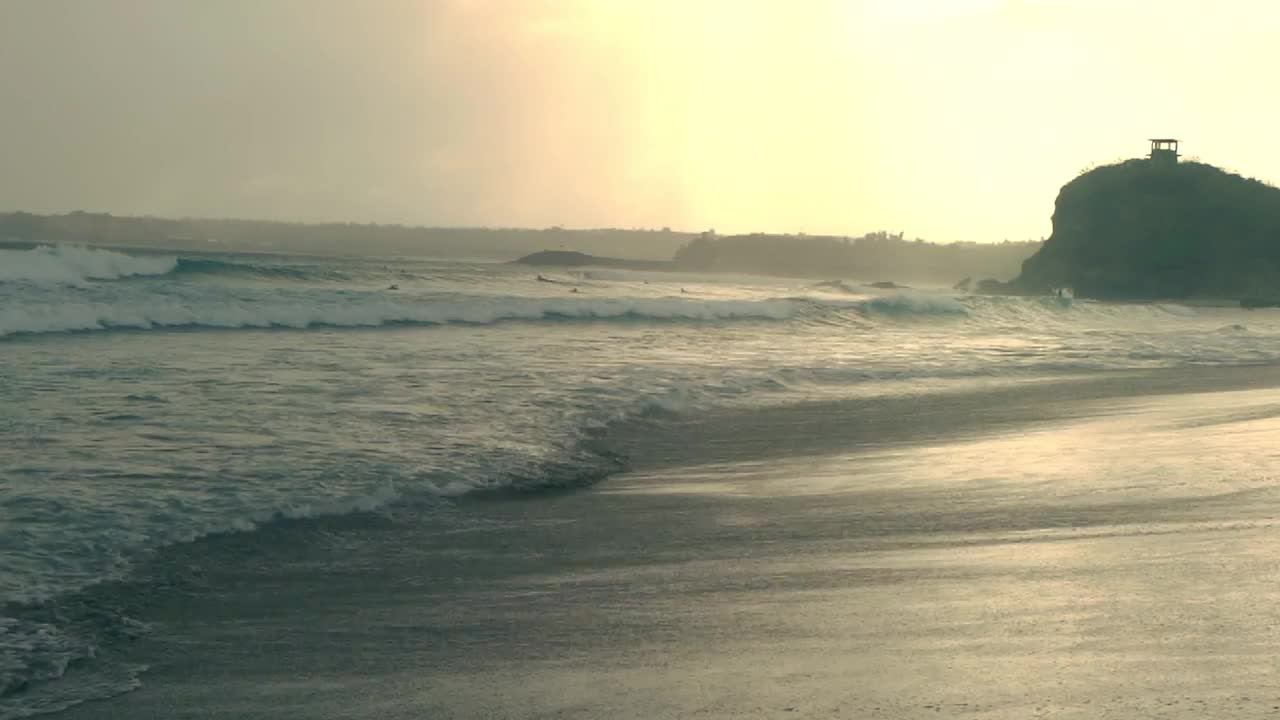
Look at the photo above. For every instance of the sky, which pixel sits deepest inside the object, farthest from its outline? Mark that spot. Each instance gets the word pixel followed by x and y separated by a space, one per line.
pixel 944 119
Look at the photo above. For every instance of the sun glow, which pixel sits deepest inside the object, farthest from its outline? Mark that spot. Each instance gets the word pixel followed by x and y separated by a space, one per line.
pixel 947 119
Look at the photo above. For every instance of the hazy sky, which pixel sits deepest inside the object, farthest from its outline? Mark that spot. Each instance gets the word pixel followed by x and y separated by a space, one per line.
pixel 949 119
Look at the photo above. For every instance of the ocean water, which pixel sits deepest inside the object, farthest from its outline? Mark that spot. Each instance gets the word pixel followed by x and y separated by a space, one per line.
pixel 150 399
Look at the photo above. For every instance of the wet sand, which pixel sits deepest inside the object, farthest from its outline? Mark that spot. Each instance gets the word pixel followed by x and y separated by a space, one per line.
pixel 1120 561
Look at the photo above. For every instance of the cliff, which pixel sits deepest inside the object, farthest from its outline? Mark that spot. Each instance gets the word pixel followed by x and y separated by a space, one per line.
pixel 1144 230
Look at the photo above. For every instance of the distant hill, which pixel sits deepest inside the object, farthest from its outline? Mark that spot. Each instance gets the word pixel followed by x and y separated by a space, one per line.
pixel 329 238
pixel 876 256
pixel 568 258
pixel 1146 230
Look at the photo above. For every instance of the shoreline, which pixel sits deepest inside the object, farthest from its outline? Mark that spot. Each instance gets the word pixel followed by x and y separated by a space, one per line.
pixel 818 581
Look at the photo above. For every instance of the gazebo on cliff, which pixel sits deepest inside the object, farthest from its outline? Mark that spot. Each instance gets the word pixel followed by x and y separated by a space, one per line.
pixel 1164 150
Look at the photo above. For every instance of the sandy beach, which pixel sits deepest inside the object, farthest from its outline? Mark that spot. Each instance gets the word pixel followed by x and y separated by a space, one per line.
pixel 1118 562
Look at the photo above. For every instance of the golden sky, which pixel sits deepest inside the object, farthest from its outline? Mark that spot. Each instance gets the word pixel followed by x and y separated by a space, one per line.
pixel 946 119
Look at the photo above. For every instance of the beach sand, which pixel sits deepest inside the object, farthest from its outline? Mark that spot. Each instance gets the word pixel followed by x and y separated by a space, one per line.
pixel 1099 548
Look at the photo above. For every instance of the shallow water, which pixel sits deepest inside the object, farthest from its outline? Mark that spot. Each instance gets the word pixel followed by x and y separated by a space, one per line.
pixel 1100 547
pixel 150 400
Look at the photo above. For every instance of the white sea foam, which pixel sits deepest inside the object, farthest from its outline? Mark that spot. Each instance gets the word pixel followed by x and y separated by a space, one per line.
pixel 71 265
pixel 919 303
pixel 162 312
pixel 33 653
pixel 1178 310
pixel 349 426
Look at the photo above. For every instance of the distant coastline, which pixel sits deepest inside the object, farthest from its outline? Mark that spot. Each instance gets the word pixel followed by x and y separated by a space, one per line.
pixel 874 256
pixel 329 239
pixel 877 256
pixel 574 259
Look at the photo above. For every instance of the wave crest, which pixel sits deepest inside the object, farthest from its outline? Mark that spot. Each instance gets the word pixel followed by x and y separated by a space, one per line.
pixel 73 265
pixel 369 312
pixel 268 270
pixel 914 304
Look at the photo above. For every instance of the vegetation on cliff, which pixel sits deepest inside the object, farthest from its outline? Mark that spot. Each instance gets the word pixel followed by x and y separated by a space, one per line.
pixel 877 255
pixel 1145 230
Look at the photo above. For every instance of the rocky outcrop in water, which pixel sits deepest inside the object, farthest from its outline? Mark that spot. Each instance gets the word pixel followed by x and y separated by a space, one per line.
pixel 570 258
pixel 1146 230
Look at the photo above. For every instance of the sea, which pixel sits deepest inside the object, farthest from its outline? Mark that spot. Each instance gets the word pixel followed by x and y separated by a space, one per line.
pixel 152 399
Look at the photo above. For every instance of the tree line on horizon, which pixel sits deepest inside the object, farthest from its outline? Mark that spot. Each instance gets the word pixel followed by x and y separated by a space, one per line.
pixel 213 235
pixel 877 253
pixel 874 256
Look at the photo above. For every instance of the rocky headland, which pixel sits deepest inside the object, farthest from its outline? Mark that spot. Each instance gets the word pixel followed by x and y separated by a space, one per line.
pixel 1145 229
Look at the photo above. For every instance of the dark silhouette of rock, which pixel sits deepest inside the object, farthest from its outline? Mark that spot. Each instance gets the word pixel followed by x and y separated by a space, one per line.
pixel 569 258
pixel 1147 230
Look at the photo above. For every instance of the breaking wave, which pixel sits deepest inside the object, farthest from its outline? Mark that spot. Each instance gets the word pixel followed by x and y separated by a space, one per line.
pixel 914 304
pixel 41 639
pixel 269 270
pixel 168 312
pixel 49 630
pixel 73 265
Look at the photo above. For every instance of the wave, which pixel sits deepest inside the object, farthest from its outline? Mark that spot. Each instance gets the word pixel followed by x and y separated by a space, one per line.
pixel 74 265
pixel 211 266
pixel 840 286
pixel 914 304
pixel 167 312
pixel 273 310
pixel 882 308
pixel 43 636
pixel 51 640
